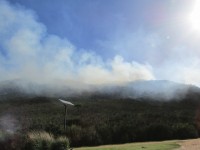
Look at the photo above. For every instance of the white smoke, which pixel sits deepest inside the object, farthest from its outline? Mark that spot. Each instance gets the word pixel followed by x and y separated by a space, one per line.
pixel 28 52
pixel 9 124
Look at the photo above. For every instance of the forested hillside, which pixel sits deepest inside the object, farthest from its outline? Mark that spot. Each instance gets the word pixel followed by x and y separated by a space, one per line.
pixel 96 120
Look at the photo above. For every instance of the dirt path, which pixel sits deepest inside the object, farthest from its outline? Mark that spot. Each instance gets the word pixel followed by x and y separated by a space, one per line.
pixel 193 144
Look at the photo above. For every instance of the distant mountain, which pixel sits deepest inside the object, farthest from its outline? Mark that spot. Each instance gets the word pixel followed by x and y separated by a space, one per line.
pixel 24 87
pixel 159 89
pixel 152 89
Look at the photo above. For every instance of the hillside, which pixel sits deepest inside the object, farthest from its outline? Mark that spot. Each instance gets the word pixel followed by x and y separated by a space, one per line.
pixel 102 117
pixel 151 89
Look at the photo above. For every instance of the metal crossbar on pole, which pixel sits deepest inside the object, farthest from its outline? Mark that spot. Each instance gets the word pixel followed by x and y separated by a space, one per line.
pixel 65 103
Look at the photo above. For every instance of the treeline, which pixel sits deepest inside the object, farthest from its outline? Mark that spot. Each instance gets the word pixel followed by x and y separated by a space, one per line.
pixel 107 121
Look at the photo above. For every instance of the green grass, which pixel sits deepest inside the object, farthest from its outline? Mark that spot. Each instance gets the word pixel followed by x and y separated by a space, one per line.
pixel 168 145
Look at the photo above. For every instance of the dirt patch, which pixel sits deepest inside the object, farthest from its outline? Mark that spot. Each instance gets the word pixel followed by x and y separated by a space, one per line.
pixel 193 144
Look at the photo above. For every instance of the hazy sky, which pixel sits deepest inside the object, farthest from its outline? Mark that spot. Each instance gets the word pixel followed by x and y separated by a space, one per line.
pixel 100 41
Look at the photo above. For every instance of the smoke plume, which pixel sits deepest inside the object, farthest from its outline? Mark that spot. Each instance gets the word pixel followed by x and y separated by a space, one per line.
pixel 30 53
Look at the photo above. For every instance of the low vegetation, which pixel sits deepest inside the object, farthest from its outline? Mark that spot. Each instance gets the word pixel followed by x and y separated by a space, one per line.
pixel 96 120
pixel 45 141
pixel 34 141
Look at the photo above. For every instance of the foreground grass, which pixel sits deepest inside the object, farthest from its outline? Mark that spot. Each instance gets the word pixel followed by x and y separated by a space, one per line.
pixel 167 145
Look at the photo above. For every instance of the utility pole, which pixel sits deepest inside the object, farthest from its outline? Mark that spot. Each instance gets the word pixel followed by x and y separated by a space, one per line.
pixel 65 103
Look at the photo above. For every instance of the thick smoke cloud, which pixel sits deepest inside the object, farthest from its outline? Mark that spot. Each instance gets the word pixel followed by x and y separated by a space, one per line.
pixel 28 52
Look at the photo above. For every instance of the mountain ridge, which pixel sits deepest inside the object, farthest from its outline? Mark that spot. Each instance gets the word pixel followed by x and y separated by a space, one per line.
pixel 153 89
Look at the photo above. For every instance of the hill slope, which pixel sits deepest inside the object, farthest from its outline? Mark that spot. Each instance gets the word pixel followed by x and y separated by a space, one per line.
pixel 103 116
pixel 153 89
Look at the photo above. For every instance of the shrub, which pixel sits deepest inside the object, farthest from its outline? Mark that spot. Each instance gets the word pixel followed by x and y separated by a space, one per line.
pixel 38 141
pixel 76 134
pixel 61 143
pixel 45 141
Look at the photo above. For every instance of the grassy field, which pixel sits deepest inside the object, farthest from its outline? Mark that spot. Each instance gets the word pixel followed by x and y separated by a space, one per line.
pixel 168 145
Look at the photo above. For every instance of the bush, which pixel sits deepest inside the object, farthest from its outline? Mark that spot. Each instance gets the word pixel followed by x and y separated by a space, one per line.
pixel 45 141
pixel 75 132
pixel 38 141
pixel 62 143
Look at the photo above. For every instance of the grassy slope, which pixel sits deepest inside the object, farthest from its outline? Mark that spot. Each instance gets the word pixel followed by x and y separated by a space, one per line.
pixel 167 145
